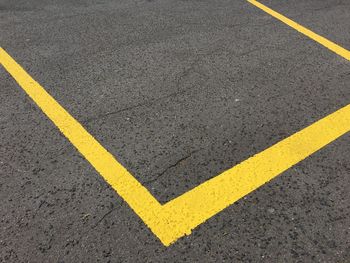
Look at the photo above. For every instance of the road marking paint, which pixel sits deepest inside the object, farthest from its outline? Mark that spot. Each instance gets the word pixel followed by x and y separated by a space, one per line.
pixel 307 32
pixel 137 196
pixel 181 215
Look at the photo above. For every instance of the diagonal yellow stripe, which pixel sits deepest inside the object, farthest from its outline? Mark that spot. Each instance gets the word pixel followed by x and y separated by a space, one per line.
pixel 214 195
pixel 179 216
pixel 307 32
pixel 137 196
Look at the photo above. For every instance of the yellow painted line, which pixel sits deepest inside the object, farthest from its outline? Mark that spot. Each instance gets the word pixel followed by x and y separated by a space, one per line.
pixel 307 32
pixel 137 196
pixel 181 215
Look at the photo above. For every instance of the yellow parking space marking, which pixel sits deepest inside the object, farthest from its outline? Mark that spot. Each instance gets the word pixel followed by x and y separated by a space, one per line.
pixel 181 215
pixel 137 196
pixel 307 32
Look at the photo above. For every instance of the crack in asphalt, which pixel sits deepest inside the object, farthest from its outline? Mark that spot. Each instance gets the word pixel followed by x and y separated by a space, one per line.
pixel 171 166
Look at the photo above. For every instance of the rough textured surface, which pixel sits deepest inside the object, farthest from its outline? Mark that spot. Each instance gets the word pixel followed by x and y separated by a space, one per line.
pixel 179 91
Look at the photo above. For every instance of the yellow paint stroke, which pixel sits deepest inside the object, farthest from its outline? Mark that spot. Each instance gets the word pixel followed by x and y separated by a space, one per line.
pixel 307 32
pixel 137 196
pixel 181 215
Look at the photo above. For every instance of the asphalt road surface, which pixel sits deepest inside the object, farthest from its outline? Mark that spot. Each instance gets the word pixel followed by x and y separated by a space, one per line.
pixel 178 91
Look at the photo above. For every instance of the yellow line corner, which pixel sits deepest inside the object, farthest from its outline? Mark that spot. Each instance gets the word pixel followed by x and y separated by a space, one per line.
pixel 181 215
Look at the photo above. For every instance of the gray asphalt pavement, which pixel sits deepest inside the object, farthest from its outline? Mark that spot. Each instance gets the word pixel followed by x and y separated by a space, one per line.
pixel 178 91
